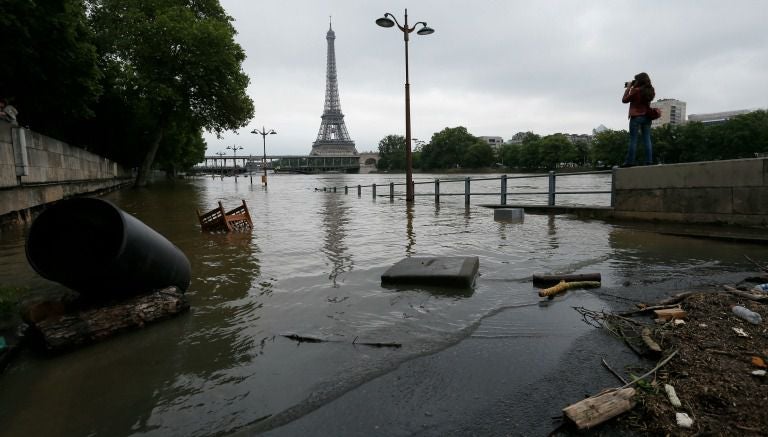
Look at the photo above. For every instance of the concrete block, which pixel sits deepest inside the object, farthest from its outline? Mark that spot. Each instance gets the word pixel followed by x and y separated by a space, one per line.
pixel 752 200
pixel 508 214
pixel 650 177
pixel 5 132
pixel 731 173
pixel 453 272
pixel 698 200
pixel 639 200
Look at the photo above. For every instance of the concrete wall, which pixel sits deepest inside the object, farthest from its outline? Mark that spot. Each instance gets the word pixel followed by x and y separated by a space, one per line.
pixel 728 192
pixel 35 170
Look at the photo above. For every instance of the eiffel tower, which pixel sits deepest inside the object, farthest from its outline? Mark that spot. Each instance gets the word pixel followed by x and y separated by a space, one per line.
pixel 333 138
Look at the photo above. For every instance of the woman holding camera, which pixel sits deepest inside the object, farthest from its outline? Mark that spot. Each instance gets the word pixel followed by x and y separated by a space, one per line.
pixel 639 94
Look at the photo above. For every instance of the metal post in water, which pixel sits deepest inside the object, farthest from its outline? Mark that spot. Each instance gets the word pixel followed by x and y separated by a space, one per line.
pixel 503 189
pixel 359 190
pixel 346 189
pixel 613 186
pixel 466 191
pixel 437 190
pixel 551 201
pixel 391 191
pixel 373 188
pixel 334 189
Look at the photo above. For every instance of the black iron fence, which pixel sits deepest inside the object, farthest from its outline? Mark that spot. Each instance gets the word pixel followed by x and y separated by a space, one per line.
pixel 503 192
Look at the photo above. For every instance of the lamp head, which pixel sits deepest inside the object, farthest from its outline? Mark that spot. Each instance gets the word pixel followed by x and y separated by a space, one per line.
pixel 426 30
pixel 272 132
pixel 385 22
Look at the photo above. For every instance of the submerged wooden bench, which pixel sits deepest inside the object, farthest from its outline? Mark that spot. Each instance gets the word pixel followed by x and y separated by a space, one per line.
pixel 219 220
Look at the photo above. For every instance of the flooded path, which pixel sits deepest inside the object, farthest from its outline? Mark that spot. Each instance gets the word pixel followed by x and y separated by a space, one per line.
pixel 311 267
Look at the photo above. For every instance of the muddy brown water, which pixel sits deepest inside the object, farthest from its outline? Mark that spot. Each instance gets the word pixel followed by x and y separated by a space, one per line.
pixel 312 267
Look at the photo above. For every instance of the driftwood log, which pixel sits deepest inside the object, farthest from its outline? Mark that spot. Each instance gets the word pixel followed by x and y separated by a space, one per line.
pixel 597 409
pixel 563 286
pixel 549 280
pixel 95 324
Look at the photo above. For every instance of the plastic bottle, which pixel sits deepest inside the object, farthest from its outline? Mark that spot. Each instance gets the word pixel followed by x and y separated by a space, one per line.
pixel 762 287
pixel 750 316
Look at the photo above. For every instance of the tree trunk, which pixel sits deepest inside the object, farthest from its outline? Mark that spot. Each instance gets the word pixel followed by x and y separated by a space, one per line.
pixel 149 158
pixel 95 324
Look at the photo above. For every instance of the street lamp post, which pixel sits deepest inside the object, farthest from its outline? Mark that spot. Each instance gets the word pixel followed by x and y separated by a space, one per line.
pixel 264 132
pixel 234 150
pixel 221 165
pixel 389 20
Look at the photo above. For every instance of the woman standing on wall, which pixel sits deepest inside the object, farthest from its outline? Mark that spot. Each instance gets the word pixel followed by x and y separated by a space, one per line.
pixel 639 94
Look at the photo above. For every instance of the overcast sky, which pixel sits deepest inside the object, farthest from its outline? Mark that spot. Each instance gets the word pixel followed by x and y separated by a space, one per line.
pixel 496 67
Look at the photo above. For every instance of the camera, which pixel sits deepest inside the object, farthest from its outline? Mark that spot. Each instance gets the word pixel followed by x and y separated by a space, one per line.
pixel 629 84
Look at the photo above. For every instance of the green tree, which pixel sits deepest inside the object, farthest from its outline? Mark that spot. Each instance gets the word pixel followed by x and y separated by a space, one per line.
pixel 743 135
pixel 391 153
pixel 447 148
pixel 530 151
pixel 665 139
pixel 177 64
pixel 510 155
pixel 49 65
pixel 610 147
pixel 554 149
pixel 478 155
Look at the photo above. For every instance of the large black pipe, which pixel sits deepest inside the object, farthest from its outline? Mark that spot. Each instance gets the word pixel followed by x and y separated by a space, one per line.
pixel 93 247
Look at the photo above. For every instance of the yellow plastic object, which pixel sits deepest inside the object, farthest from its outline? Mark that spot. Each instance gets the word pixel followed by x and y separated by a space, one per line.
pixel 562 286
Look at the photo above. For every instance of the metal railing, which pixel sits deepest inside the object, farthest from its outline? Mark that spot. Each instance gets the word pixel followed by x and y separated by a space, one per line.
pixel 503 191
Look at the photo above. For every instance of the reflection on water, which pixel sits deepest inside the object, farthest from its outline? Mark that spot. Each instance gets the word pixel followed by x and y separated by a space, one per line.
pixel 410 236
pixel 334 222
pixel 312 266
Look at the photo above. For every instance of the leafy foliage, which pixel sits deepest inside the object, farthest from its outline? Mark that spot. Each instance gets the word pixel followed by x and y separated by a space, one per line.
pixel 448 149
pixel 391 153
pixel 177 64
pixel 129 79
pixel 49 67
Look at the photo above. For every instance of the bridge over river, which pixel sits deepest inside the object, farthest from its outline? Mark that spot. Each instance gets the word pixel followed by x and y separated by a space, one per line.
pixel 287 163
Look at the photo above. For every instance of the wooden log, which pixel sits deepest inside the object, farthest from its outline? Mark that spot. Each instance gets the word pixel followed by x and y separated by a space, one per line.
pixel 562 286
pixel 670 313
pixel 746 295
pixel 549 280
pixel 95 324
pixel 648 309
pixel 597 409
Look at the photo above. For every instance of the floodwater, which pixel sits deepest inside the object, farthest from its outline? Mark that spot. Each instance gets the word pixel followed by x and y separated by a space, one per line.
pixel 312 267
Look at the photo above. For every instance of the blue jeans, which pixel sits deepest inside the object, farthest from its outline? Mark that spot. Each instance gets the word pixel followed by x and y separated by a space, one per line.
pixel 639 125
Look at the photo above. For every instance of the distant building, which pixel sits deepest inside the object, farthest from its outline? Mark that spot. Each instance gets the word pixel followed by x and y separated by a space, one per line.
pixel 494 142
pixel 578 138
pixel 599 129
pixel 718 117
pixel 517 138
pixel 672 112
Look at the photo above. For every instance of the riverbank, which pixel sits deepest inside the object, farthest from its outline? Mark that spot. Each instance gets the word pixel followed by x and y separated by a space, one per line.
pixel 718 375
pixel 515 384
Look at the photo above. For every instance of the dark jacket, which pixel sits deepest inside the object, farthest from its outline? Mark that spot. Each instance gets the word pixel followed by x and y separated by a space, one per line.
pixel 638 103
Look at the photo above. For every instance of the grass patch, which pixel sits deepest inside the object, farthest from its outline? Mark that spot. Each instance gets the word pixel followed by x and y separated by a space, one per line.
pixel 9 299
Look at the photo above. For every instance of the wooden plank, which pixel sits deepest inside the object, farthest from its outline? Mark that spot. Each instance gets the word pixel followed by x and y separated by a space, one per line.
pixel 597 409
pixel 548 280
pixel 670 313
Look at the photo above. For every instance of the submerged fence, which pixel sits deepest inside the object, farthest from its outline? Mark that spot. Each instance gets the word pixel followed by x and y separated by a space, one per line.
pixel 503 191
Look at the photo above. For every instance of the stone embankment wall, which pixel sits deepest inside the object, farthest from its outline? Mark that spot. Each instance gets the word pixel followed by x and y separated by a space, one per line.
pixel 35 170
pixel 733 192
